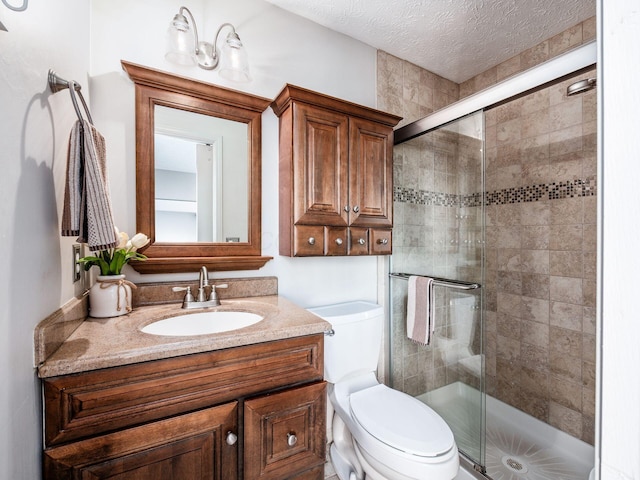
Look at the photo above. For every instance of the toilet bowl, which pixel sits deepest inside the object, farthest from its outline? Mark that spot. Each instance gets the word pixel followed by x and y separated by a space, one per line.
pixel 378 433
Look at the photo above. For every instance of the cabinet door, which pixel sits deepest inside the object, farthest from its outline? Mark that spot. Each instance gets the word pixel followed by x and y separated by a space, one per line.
pixel 370 173
pixel 285 434
pixel 188 447
pixel 320 156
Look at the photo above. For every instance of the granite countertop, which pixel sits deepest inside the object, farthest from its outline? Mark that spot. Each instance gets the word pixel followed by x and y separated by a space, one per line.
pixel 109 342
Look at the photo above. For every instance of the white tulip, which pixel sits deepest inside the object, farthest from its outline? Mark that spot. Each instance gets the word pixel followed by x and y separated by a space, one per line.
pixel 123 238
pixel 139 240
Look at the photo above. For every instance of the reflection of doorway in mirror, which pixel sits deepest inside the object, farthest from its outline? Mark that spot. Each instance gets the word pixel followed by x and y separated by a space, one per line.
pixel 188 189
pixel 209 194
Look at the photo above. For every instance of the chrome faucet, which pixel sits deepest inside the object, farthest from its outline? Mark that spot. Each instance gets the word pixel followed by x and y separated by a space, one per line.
pixel 202 301
pixel 204 282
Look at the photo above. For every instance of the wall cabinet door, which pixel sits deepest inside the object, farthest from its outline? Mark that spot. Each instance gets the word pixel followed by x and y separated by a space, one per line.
pixel 188 447
pixel 370 173
pixel 320 156
pixel 284 434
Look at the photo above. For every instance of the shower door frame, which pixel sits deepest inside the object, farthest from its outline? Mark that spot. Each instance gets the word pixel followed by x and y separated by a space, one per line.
pixel 581 58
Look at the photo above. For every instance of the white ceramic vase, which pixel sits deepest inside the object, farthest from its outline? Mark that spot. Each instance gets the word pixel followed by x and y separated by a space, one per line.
pixel 110 296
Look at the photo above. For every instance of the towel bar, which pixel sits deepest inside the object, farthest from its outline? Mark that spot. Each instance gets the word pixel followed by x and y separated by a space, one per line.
pixel 57 83
pixel 441 282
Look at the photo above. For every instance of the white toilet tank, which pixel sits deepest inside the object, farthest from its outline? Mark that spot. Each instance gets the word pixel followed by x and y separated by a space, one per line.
pixel 355 346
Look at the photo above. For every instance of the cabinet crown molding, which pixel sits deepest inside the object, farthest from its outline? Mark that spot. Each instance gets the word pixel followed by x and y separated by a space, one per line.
pixel 291 93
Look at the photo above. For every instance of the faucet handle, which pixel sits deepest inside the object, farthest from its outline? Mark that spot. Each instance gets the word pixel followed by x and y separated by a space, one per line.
pixel 188 297
pixel 213 296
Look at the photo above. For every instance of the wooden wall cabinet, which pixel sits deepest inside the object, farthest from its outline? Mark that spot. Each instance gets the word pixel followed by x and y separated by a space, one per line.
pixel 336 175
pixel 253 412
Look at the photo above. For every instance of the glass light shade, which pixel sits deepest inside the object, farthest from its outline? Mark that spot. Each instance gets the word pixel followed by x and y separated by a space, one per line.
pixel 180 44
pixel 234 62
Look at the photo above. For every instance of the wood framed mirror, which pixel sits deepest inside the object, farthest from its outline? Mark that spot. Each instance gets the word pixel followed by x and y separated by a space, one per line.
pixel 198 173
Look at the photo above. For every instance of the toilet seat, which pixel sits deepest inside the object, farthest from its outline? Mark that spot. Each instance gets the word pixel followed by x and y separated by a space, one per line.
pixel 401 422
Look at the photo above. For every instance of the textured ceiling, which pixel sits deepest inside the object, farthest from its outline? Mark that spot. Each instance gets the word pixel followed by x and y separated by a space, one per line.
pixel 456 39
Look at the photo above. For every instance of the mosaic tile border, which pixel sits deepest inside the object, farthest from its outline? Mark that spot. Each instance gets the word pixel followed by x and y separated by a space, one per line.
pixel 530 193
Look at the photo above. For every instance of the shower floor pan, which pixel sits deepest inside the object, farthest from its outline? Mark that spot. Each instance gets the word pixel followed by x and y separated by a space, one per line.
pixel 518 446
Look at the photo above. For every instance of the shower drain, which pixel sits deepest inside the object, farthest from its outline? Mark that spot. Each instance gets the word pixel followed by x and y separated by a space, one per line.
pixel 514 464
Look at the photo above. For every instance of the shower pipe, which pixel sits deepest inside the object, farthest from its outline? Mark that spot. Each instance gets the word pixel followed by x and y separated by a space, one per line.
pixel 572 61
pixel 440 282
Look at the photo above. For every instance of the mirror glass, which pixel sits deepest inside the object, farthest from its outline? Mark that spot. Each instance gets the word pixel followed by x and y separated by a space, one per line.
pixel 201 177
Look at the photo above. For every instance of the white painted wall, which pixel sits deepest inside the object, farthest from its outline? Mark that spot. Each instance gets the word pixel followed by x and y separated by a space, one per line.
pixel 619 96
pixel 283 48
pixel 36 261
pixel 34 128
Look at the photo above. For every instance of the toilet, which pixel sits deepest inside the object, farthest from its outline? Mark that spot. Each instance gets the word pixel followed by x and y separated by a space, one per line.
pixel 378 433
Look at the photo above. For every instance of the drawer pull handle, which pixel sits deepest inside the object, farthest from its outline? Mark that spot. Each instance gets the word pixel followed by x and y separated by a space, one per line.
pixel 312 241
pixel 338 241
pixel 383 241
pixel 291 439
pixel 361 241
pixel 232 438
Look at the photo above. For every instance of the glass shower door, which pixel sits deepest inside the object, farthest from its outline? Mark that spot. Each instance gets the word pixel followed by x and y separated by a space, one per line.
pixel 439 232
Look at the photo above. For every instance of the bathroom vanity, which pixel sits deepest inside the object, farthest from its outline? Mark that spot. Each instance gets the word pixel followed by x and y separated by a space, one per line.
pixel 245 404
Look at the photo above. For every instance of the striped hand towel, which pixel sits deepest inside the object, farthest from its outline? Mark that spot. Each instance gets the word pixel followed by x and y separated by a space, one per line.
pixel 87 205
pixel 419 299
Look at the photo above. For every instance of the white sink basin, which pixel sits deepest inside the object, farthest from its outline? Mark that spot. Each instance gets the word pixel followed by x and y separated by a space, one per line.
pixel 202 323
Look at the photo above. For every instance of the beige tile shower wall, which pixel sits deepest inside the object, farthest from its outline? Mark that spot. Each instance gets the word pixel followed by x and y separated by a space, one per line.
pixel 541 256
pixel 410 91
pixel 552 47
pixel 541 278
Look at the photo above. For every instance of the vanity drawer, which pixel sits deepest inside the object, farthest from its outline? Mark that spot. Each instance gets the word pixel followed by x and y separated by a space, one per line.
pixel 102 401
pixel 285 434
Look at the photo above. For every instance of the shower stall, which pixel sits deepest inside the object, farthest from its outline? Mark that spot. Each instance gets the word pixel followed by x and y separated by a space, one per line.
pixel 502 198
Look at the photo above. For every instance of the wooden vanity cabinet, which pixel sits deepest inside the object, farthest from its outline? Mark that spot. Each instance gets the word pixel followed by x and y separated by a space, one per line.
pixel 336 175
pixel 251 412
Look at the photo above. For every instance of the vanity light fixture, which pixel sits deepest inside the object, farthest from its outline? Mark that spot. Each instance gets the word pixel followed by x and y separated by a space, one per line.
pixel 185 48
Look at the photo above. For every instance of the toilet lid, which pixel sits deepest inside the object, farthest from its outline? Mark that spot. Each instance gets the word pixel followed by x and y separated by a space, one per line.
pixel 401 421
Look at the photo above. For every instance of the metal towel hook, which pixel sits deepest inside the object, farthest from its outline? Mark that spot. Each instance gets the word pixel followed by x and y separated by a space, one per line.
pixel 57 84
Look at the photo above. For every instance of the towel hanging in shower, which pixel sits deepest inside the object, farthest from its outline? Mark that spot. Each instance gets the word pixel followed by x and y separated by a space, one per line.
pixel 420 323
